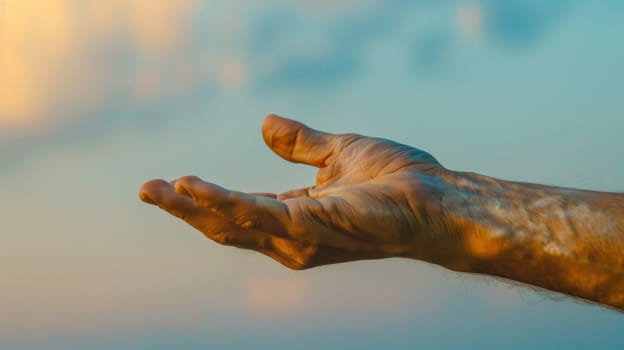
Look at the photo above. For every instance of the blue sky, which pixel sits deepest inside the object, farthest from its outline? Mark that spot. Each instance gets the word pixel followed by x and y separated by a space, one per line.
pixel 97 97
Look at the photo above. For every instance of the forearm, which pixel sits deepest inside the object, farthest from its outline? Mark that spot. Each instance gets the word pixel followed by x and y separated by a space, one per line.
pixel 566 240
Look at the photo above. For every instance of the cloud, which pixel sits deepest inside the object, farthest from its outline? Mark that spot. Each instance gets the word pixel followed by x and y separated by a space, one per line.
pixel 28 55
pixel 74 70
pixel 495 23
pixel 85 61
pixel 61 59
pixel 515 22
pixel 81 55
pixel 432 51
pixel 338 47
pixel 70 67
pixel 333 52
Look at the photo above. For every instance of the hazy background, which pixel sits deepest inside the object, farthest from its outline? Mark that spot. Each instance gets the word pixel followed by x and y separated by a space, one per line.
pixel 98 96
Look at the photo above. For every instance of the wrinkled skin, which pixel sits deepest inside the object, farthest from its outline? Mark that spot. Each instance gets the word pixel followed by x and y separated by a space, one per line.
pixel 373 198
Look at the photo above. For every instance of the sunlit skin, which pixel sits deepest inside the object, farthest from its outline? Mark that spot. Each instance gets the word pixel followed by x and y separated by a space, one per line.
pixel 374 198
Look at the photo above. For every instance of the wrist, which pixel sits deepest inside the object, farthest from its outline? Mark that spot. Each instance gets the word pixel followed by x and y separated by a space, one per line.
pixel 481 212
pixel 444 239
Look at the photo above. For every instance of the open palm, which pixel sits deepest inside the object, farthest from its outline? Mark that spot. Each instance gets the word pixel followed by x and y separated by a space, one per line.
pixel 373 198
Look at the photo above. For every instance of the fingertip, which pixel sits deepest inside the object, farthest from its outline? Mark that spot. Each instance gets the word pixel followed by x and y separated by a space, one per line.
pixel 270 116
pixel 270 120
pixel 149 191
pixel 185 185
pixel 275 126
pixel 268 125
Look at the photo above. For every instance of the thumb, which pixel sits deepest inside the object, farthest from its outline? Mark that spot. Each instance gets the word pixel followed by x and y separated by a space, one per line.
pixel 298 143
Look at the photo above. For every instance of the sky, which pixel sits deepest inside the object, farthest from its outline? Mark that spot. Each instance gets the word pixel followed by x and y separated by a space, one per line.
pixel 97 97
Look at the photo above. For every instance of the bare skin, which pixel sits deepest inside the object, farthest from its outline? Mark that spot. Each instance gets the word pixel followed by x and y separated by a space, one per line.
pixel 374 198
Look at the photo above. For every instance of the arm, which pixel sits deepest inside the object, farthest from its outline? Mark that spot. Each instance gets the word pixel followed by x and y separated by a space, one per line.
pixel 567 240
pixel 374 198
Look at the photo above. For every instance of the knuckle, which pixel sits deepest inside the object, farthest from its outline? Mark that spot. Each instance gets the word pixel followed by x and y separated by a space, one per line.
pixel 308 256
pixel 265 243
pixel 223 238
pixel 187 180
pixel 180 214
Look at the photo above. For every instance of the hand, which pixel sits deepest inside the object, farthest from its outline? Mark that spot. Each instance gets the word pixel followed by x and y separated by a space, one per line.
pixel 373 198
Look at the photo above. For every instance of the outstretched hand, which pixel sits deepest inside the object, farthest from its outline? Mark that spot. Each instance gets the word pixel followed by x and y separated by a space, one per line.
pixel 373 198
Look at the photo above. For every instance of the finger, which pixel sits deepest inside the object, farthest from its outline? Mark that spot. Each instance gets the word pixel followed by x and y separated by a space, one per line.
pixel 298 143
pixel 212 225
pixel 146 189
pixel 300 219
pixel 180 190
pixel 162 194
pixel 249 211
pixel 212 196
